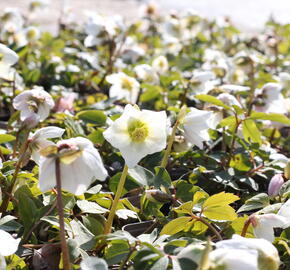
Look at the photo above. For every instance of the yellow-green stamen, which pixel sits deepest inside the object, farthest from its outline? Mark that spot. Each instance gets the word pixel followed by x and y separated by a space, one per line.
pixel 138 130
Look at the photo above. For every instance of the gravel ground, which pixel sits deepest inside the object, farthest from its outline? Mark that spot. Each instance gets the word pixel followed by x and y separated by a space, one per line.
pixel 249 15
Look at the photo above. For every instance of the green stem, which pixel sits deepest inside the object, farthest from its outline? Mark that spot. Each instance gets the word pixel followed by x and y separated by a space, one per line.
pixel 108 226
pixel 64 248
pixel 169 146
pixel 7 195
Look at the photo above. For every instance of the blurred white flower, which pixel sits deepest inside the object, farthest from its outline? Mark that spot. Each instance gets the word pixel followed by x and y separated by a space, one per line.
pixel 245 253
pixel 33 104
pixel 137 134
pixel 146 73
pixel 80 164
pixel 8 245
pixel 160 64
pixel 7 59
pixel 123 86
pixel 284 211
pixel 234 88
pixel 274 102
pixel 12 21
pixel 196 124
pixel 229 99
pixel 38 140
pixel 202 82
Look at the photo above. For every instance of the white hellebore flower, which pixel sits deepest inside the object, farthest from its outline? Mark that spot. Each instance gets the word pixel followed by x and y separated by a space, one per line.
pixel 146 73
pixel 33 104
pixel 195 125
pixel 202 81
pixel 261 254
pixel 80 164
pixel 137 134
pixel 7 59
pixel 264 225
pixel 123 86
pixel 8 245
pixel 38 140
pixel 160 64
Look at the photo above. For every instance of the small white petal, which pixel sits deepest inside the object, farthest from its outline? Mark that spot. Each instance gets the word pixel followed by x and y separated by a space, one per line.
pixel 8 245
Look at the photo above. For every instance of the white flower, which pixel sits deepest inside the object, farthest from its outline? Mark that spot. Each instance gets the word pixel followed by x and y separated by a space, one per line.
pixel 146 73
pixel 137 134
pixel 38 140
pixel 229 99
pixel 202 81
pixel 80 164
pixel 8 245
pixel 7 59
pixel 196 124
pixel 234 88
pixel 35 103
pixel 264 225
pixel 285 212
pixel 123 86
pixel 160 64
pixel 273 99
pixel 233 259
pixel 261 253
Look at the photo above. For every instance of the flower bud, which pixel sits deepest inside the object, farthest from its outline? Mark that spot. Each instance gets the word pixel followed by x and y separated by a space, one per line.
pixel 157 196
pixel 275 184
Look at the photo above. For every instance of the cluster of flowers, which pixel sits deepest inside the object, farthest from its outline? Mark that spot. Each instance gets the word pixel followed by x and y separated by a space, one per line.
pixel 228 80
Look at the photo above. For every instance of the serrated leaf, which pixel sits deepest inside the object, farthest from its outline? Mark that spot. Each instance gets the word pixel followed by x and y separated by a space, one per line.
pixel 220 199
pixel 257 202
pixel 175 226
pixel 223 212
pixel 91 207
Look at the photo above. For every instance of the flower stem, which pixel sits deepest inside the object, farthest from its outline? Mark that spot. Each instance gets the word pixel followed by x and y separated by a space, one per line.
pixel 7 195
pixel 64 248
pixel 169 146
pixel 108 226
pixel 245 228
pixel 212 228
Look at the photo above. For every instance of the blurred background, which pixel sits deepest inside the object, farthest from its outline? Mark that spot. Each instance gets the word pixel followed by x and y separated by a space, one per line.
pixel 249 15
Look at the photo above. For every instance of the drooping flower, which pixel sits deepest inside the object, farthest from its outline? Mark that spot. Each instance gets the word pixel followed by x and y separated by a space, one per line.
pixel 123 86
pixel 195 125
pixel 7 59
pixel 275 184
pixel 202 82
pixel 35 104
pixel 80 164
pixel 38 140
pixel 241 253
pixel 8 245
pixel 137 134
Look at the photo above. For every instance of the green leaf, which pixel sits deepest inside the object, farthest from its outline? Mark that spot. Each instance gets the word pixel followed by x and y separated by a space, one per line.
pixel 220 199
pixel 217 206
pixel 160 264
pixel 142 175
pixel 175 226
pixel 276 117
pixel 228 122
pixel 257 202
pixel 93 116
pixel 161 178
pixel 94 263
pixel 4 138
pixel 152 92
pixel 212 100
pixel 91 207
pixel 251 132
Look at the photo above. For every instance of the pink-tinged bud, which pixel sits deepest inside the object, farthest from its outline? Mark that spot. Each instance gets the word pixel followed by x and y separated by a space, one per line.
pixel 275 185
pixel 65 103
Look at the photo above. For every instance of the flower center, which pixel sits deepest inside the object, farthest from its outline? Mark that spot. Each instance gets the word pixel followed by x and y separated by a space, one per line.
pixel 138 131
pixel 127 84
